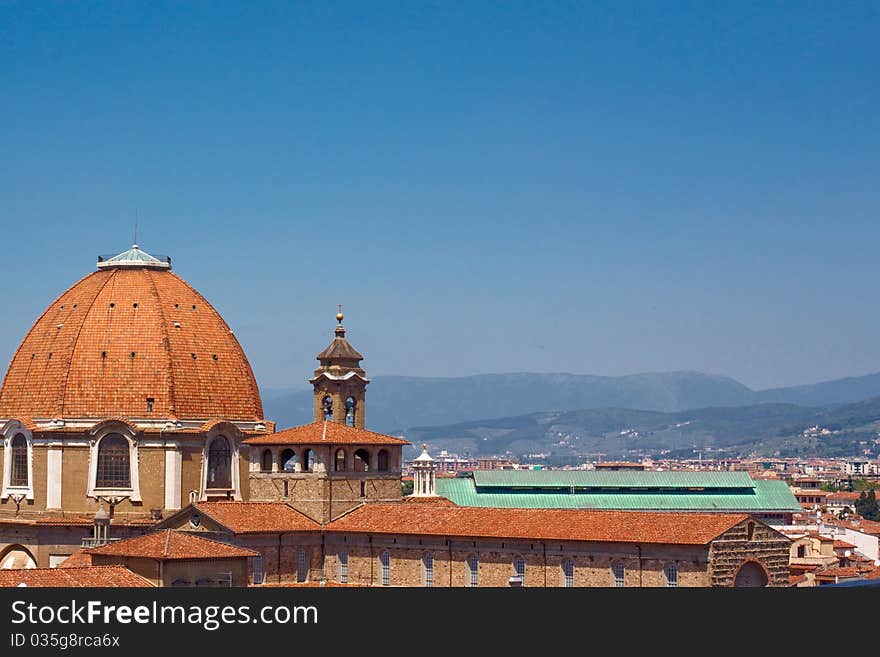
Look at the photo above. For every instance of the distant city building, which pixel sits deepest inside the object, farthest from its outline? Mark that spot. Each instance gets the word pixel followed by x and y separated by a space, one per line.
pixel 613 466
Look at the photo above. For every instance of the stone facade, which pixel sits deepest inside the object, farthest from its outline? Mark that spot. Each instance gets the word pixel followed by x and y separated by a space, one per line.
pixel 48 544
pixel 182 572
pixel 755 543
pixel 151 466
pixel 339 391
pixel 325 493
pixel 591 563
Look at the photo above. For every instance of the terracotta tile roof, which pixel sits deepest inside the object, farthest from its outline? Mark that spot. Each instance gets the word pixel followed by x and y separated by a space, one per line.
pixel 258 517
pixel 865 526
pixel 170 545
pixel 87 576
pixel 76 360
pixel 76 560
pixel 340 349
pixel 843 496
pixel 84 522
pixel 842 545
pixel 437 501
pixel 866 571
pixel 334 433
pixel 549 524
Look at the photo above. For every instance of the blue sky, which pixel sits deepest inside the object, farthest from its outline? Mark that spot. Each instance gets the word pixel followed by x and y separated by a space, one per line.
pixel 600 188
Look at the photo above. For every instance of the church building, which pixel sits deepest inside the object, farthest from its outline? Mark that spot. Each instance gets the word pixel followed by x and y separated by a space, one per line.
pixel 132 423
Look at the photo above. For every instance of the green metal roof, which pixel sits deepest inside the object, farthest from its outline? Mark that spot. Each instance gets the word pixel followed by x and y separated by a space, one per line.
pixel 511 479
pixel 763 496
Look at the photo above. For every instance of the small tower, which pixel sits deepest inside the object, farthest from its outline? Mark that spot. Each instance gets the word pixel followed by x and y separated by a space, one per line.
pixel 340 382
pixel 424 475
pixel 101 533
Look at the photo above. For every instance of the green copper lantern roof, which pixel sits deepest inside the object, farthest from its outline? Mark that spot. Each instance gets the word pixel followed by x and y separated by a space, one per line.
pixel 134 257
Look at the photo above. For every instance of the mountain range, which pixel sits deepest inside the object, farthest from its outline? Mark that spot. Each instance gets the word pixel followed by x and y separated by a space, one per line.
pixel 767 429
pixel 396 404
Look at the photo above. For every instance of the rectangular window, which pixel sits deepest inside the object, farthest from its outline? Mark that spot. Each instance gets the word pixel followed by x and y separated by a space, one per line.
pixel 301 570
pixel 473 564
pixel 619 573
pixel 428 563
pixel 385 562
pixel 55 559
pixel 672 575
pixel 568 573
pixel 343 567
pixel 259 570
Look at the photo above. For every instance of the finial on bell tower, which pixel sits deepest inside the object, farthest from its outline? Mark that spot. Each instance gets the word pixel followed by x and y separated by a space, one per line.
pixel 340 330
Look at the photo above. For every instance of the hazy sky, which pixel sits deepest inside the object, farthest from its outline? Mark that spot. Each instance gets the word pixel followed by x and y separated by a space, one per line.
pixel 601 188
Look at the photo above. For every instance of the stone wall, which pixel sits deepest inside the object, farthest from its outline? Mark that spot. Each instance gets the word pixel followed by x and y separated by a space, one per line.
pixel 281 561
pixel 750 541
pixel 45 541
pixel 592 562
pixel 324 496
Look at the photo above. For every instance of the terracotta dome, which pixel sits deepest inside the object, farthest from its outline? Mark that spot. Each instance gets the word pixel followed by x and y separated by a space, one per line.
pixel 130 340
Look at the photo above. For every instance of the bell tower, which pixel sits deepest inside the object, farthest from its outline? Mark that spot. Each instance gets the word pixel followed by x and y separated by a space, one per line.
pixel 339 381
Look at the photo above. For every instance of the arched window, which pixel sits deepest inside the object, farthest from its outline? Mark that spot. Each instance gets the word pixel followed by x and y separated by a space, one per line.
pixel 114 466
pixel 343 567
pixel 19 471
pixel 350 411
pixel 473 571
pixel 266 463
pixel 382 461
pixel 568 573
pixel 288 460
pixel 428 569
pixel 519 570
pixel 750 530
pixel 362 461
pixel 385 562
pixel 619 572
pixel 219 464
pixel 339 460
pixel 308 460
pixel 327 406
pixel 671 571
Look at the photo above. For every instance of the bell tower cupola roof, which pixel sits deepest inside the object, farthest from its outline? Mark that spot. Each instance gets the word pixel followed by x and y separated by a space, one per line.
pixel 340 352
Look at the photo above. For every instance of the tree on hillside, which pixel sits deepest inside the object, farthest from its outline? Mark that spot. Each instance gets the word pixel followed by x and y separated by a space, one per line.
pixel 867 506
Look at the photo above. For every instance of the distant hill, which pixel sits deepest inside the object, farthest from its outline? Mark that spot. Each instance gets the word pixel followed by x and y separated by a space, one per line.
pixel 397 403
pixel 573 436
pixel 838 391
